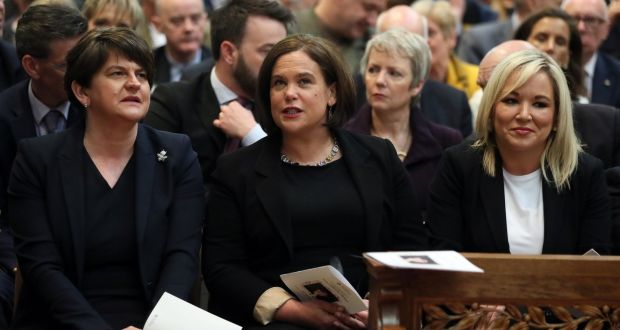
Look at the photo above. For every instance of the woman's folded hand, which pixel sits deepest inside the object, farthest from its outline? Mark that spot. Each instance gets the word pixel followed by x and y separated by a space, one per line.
pixel 317 314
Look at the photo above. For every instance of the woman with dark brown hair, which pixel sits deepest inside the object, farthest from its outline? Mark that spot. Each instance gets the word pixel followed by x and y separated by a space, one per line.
pixel 306 195
pixel 555 32
pixel 107 215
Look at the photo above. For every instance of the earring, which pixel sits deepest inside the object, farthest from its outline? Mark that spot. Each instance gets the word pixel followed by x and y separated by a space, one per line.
pixel 330 111
pixel 85 106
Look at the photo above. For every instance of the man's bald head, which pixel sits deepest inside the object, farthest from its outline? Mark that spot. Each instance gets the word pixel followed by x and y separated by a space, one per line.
pixel 404 17
pixel 496 55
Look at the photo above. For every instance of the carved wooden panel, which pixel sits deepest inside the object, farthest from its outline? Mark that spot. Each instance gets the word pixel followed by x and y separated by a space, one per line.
pixel 511 317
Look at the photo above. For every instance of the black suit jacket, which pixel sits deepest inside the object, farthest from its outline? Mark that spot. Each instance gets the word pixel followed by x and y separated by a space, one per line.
pixel 162 66
pixel 194 70
pixel 47 216
pixel 468 213
pixel 190 108
pixel 447 106
pixel 440 103
pixel 248 232
pixel 598 127
pixel 613 185
pixel 606 81
pixel 16 123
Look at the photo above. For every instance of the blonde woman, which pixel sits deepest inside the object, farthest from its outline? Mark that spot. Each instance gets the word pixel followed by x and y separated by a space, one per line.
pixel 117 13
pixel 445 65
pixel 524 186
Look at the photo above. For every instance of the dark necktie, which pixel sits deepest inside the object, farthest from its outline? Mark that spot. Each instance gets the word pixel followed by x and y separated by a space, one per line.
pixel 54 121
pixel 234 143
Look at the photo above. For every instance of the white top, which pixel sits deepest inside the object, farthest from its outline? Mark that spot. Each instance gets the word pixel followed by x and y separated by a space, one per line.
pixel 525 217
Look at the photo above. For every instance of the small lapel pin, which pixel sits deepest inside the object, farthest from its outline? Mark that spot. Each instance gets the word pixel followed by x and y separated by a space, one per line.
pixel 161 156
pixel 607 82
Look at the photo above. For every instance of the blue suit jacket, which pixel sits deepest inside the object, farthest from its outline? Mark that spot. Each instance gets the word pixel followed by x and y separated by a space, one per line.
pixel 16 123
pixel 606 81
pixel 47 217
pixel 10 68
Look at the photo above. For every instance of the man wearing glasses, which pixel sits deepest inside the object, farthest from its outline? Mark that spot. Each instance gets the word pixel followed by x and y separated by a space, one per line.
pixel 34 107
pixel 601 70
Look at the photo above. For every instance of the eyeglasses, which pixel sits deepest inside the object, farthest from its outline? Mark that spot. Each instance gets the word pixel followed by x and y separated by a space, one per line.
pixel 60 67
pixel 589 21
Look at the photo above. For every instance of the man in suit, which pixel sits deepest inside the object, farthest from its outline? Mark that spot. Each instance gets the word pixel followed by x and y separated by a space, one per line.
pixel 602 70
pixel 478 40
pixel 346 23
pixel 183 23
pixel 439 102
pixel 44 36
pixel 208 108
pixel 597 125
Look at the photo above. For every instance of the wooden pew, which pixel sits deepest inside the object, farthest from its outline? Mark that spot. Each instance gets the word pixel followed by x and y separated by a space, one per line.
pixel 537 292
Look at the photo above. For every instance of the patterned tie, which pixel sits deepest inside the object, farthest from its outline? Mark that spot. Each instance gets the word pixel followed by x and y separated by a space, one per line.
pixel 54 121
pixel 233 143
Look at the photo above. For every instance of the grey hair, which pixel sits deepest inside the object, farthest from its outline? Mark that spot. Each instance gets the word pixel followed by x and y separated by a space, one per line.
pixel 406 44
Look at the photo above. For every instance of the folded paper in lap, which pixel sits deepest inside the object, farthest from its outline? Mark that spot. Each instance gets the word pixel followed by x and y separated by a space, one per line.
pixel 174 313
pixel 324 283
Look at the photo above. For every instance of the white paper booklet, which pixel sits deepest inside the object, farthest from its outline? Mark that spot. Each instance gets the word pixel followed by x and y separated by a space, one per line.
pixel 592 252
pixel 324 283
pixel 434 260
pixel 172 313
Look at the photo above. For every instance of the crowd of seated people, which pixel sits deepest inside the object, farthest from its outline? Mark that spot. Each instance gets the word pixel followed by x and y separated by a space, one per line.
pixel 265 137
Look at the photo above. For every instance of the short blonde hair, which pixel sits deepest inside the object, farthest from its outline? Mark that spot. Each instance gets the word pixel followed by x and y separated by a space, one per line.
pixel 120 7
pixel 563 147
pixel 439 12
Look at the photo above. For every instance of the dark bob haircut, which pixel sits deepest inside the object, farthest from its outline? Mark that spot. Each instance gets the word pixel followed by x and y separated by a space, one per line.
pixel 574 72
pixel 335 71
pixel 92 51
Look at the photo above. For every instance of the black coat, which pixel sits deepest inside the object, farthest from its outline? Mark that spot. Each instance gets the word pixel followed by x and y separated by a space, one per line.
pixel 46 197
pixel 249 232
pixel 189 107
pixel 468 213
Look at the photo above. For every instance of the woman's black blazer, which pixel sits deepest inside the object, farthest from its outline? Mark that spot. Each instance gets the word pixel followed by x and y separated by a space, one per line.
pixel 248 229
pixel 467 211
pixel 46 198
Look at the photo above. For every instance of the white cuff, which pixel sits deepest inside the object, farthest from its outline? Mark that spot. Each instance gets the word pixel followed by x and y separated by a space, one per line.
pixel 255 134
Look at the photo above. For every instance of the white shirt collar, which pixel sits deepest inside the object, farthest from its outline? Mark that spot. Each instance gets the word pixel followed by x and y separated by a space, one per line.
pixel 223 93
pixel 176 68
pixel 589 66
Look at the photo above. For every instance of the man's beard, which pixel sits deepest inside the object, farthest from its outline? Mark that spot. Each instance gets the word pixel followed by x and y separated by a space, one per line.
pixel 244 77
